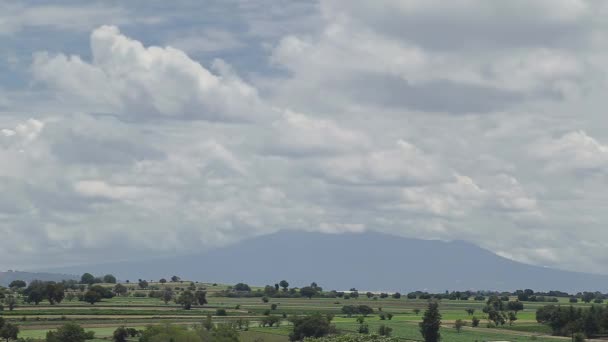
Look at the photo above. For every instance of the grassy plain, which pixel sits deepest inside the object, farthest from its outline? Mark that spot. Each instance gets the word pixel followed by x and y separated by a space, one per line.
pixel 137 312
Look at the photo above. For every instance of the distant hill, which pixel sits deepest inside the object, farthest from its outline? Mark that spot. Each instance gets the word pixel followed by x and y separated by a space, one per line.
pixel 367 261
pixel 7 277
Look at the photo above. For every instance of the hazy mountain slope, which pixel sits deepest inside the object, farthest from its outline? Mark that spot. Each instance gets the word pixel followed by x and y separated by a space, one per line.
pixel 7 277
pixel 365 261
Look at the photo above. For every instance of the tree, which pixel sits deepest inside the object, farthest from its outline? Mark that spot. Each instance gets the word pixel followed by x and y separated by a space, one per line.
pixel 11 302
pixel 167 295
pixel 54 292
pixel 470 311
pixel 200 297
pixel 495 310
pixel 120 289
pixel 365 310
pixel 315 325
pixel 69 332
pixel 87 278
pixel 396 295
pixel 242 287
pixel 120 334
pixel 143 284
pixel 515 306
pixel 92 297
pixel 431 322
pixel 186 299
pixel 109 279
pixel 474 322
pixel 458 324
pixel 208 323
pixel 17 284
pixel 162 280
pixel 35 292
pixel 512 317
pixel 284 284
pixel 9 332
pixel 416 311
pixel 175 279
pixel 308 291
pixel 383 330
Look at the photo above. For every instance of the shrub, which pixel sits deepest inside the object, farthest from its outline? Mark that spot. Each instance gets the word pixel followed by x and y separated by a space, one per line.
pixel 221 312
pixel 383 330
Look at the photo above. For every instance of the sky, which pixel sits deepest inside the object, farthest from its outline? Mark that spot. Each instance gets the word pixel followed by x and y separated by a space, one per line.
pixel 131 129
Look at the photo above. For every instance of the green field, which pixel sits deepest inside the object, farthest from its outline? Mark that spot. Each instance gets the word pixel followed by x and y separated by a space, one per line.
pixel 137 312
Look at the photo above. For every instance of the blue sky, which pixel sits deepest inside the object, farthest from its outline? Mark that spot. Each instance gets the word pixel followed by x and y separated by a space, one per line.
pixel 130 128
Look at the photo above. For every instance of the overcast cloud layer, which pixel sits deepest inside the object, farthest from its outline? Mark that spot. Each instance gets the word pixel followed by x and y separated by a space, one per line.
pixel 126 131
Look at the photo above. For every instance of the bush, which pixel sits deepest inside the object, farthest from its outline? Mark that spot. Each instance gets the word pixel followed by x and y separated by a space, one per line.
pixel 475 322
pixel 221 312
pixel 383 330
pixel 315 325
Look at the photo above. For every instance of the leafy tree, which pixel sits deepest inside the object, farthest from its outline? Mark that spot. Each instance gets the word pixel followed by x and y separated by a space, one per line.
pixel 363 329
pixel 11 302
pixel 120 290
pixel 364 310
pixel 221 312
pixel 200 297
pixel 162 280
pixel 515 306
pixel 315 325
pixel 17 284
pixel 383 330
pixel 186 299
pixel 208 323
pixel 54 292
pixel 474 322
pixel 431 322
pixel 495 310
pixel 389 316
pixel 69 332
pixel 109 279
pixel 396 295
pixel 458 324
pixel 242 287
pixel 308 291
pixel 167 295
pixel 512 317
pixel 143 284
pixel 9 332
pixel 271 321
pixel 87 278
pixel 284 284
pixel 120 334
pixel 92 297
pixel 416 311
pixel 35 292
pixel 470 311
pixel 273 306
pixel 175 279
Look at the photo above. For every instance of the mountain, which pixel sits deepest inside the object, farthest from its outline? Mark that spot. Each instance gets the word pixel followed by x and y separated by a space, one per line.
pixel 7 277
pixel 367 261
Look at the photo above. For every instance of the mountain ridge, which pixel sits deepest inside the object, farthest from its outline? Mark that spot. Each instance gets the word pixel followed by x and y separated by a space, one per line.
pixel 370 261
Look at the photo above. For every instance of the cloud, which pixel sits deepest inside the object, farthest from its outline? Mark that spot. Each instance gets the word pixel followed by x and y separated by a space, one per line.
pixel 402 70
pixel 17 16
pixel 573 152
pixel 460 120
pixel 127 78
